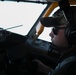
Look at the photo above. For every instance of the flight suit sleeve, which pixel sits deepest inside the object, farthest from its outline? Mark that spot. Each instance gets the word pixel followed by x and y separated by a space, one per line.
pixel 67 69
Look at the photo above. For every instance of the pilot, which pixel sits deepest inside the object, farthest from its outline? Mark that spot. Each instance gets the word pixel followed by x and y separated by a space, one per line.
pixel 63 36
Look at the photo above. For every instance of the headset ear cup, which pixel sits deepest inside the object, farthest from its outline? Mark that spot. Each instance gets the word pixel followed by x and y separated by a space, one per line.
pixel 70 34
pixel 67 33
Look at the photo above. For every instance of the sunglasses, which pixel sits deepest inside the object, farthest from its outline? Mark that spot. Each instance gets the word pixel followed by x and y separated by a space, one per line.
pixel 56 29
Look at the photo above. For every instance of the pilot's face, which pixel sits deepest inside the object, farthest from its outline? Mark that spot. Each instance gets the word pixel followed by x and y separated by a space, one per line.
pixel 58 36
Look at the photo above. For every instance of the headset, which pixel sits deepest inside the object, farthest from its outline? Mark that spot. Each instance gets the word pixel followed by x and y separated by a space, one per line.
pixel 70 34
pixel 70 31
pixel 70 14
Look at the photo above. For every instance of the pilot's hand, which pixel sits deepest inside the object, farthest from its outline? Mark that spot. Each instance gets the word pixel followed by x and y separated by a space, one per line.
pixel 42 67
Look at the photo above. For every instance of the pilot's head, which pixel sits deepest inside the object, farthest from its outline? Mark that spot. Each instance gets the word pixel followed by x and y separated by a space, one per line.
pixel 61 34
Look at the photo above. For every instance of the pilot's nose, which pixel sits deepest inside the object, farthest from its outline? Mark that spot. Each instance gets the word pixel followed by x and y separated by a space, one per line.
pixel 51 34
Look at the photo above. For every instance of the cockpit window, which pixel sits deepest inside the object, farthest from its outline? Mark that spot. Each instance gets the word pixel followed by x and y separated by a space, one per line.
pixel 19 17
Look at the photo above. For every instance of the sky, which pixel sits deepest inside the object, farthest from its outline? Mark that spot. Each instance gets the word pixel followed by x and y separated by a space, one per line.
pixel 23 14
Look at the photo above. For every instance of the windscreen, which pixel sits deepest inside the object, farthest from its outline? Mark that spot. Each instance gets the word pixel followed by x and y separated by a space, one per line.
pixel 19 17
